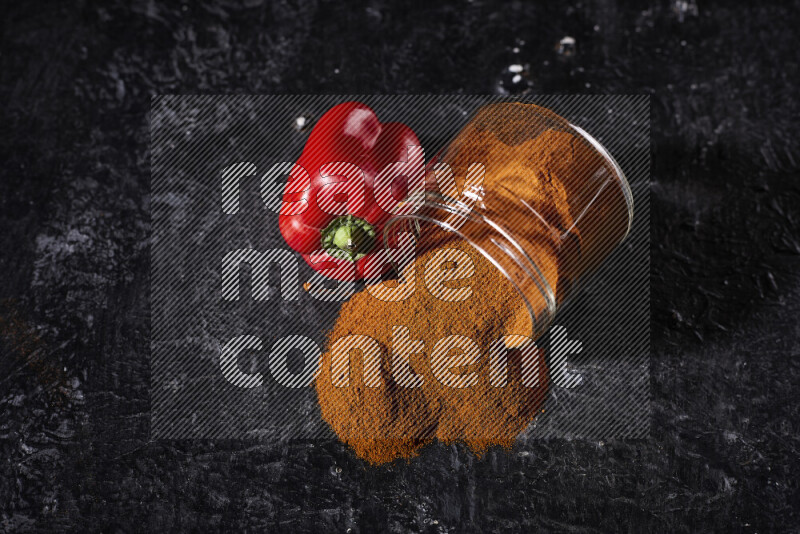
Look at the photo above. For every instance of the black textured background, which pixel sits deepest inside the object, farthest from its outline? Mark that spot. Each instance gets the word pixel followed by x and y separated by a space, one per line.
pixel 75 86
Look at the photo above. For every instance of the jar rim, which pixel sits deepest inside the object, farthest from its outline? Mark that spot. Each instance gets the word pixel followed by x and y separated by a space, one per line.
pixel 540 322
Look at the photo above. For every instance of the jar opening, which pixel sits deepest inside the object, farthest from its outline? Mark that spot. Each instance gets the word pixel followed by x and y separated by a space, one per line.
pixel 495 244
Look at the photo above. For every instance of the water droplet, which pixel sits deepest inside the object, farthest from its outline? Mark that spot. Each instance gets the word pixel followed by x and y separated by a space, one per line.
pixel 336 71
pixel 514 80
pixel 596 27
pixel 566 46
pixel 588 85
pixel 685 8
pixel 303 122
pixel 515 50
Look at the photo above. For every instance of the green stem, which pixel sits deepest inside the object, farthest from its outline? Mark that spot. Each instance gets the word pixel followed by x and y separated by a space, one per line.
pixel 348 237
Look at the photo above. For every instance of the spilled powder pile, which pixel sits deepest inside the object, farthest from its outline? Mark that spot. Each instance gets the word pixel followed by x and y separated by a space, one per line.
pixel 391 421
pixel 382 419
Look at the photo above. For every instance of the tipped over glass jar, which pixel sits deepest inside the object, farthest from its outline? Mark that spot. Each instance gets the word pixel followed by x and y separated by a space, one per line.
pixel 537 196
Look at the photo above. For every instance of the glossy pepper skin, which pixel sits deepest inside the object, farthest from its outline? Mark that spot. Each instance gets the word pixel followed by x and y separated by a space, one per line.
pixel 333 210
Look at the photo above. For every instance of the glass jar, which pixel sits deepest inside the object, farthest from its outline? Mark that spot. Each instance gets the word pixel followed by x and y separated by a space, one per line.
pixel 538 197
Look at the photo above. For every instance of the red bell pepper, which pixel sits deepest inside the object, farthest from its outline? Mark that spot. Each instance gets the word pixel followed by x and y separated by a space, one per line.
pixel 354 174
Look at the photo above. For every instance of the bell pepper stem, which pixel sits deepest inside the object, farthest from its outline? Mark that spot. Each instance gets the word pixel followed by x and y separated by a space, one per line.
pixel 348 237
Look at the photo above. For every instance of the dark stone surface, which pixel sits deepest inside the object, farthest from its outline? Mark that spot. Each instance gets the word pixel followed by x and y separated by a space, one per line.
pixel 75 84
